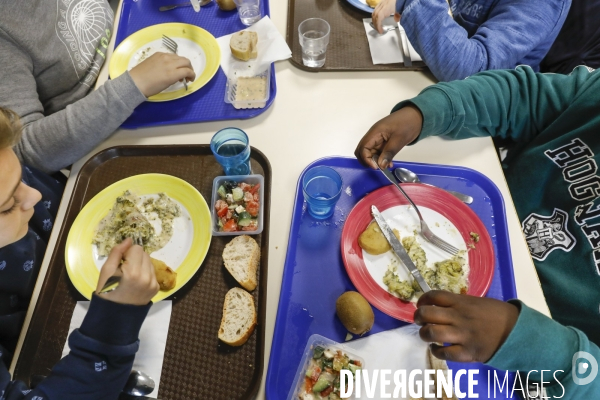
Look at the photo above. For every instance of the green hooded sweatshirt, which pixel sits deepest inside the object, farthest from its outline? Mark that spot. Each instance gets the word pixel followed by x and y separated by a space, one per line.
pixel 552 173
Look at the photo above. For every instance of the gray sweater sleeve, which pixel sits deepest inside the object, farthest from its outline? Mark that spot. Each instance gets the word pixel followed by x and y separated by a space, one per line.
pixel 52 142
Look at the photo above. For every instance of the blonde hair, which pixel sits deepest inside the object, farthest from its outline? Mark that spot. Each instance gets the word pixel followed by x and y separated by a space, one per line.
pixel 10 128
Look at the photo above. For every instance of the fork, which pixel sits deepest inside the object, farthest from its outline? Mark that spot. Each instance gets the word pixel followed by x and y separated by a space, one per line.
pixel 425 231
pixel 116 278
pixel 172 45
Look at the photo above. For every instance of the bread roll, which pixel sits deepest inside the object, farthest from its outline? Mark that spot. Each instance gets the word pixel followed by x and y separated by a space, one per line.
pixel 243 45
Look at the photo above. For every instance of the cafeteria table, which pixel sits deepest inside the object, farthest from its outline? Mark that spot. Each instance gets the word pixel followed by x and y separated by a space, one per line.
pixel 316 115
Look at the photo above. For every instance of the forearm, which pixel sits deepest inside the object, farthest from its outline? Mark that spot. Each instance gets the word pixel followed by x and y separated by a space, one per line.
pixel 55 141
pixel 101 357
pixel 513 30
pixel 516 104
pixel 542 349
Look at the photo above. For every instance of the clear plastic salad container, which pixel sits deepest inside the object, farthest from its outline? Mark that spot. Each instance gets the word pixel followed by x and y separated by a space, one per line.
pixel 249 179
pixel 257 88
pixel 298 388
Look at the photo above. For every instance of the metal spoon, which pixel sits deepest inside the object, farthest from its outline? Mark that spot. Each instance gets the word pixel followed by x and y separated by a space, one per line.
pixel 386 29
pixel 406 175
pixel 138 384
pixel 173 6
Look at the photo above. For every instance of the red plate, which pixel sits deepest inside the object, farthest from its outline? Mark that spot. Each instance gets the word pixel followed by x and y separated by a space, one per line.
pixel 481 258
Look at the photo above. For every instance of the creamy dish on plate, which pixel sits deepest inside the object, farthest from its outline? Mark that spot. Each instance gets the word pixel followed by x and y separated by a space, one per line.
pixel 451 274
pixel 130 216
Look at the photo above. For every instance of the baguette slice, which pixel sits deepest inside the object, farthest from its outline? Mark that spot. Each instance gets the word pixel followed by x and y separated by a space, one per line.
pixel 239 317
pixel 243 45
pixel 241 257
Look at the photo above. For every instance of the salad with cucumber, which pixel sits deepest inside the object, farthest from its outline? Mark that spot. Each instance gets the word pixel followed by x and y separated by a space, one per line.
pixel 238 206
pixel 322 377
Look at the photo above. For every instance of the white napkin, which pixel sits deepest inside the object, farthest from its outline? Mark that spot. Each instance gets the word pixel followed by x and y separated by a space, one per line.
pixel 271 47
pixel 153 338
pixel 387 49
pixel 396 349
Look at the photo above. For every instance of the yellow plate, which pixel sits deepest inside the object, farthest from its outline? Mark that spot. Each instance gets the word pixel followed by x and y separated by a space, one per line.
pixel 192 235
pixel 194 43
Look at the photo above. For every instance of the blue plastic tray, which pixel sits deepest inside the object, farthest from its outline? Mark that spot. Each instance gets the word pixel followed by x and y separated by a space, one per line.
pixel 207 103
pixel 314 274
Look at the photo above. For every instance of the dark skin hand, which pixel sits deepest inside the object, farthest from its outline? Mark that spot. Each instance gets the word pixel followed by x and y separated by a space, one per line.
pixel 388 136
pixel 475 327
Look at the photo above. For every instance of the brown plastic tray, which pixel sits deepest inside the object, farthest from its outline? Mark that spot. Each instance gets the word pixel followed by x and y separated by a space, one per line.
pixel 196 364
pixel 348 48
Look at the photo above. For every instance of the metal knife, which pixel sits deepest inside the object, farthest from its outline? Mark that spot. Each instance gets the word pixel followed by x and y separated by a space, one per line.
pixel 404 46
pixel 399 249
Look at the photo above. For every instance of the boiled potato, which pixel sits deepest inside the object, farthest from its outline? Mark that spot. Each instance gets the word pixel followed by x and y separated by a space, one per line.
pixel 372 240
pixel 165 276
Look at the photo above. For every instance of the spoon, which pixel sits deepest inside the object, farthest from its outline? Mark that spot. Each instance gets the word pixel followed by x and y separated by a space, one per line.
pixel 173 6
pixel 138 384
pixel 407 176
pixel 385 28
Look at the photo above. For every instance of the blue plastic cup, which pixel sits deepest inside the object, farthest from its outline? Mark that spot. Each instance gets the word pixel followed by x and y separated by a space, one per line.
pixel 232 150
pixel 322 187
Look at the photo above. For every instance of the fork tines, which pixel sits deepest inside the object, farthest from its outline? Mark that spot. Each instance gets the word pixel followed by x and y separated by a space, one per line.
pixel 172 45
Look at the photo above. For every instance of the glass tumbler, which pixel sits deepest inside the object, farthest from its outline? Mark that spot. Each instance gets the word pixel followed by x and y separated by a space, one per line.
pixel 232 150
pixel 322 187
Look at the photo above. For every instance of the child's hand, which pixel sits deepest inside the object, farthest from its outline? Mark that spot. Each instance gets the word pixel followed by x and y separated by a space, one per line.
pixel 138 283
pixel 388 136
pixel 475 327
pixel 384 9
pixel 159 71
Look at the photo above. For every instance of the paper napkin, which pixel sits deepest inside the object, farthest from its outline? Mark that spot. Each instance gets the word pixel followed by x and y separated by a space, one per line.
pixel 271 47
pixel 387 48
pixel 153 338
pixel 396 349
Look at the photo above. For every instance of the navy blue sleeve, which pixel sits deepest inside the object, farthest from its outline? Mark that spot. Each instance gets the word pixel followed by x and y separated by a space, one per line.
pixel 101 357
pixel 512 32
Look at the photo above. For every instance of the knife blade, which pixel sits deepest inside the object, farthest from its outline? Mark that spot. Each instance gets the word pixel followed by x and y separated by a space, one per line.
pixel 404 46
pixel 196 5
pixel 399 249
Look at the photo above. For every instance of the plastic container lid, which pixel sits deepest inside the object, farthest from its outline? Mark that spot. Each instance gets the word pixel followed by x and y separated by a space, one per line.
pixel 249 179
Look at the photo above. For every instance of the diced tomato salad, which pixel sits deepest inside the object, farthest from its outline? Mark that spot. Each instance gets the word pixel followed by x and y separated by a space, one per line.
pixel 238 206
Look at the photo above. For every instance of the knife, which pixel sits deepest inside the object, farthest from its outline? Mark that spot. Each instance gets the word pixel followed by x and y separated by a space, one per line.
pixel 399 249
pixel 196 5
pixel 404 46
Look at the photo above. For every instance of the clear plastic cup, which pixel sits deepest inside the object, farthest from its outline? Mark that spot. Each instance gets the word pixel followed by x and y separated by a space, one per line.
pixel 314 38
pixel 232 150
pixel 249 11
pixel 322 187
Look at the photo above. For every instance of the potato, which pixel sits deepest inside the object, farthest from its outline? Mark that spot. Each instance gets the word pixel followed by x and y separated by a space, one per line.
pixel 372 240
pixel 226 5
pixel 355 312
pixel 165 276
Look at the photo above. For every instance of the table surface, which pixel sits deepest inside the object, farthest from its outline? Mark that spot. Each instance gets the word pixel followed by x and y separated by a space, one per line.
pixel 317 115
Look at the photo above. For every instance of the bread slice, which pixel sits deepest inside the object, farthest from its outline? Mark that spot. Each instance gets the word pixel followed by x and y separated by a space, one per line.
pixel 437 364
pixel 239 317
pixel 241 257
pixel 243 45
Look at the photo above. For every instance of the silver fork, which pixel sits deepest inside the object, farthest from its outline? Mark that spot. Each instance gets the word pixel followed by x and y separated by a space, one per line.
pixel 172 45
pixel 425 231
pixel 116 278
